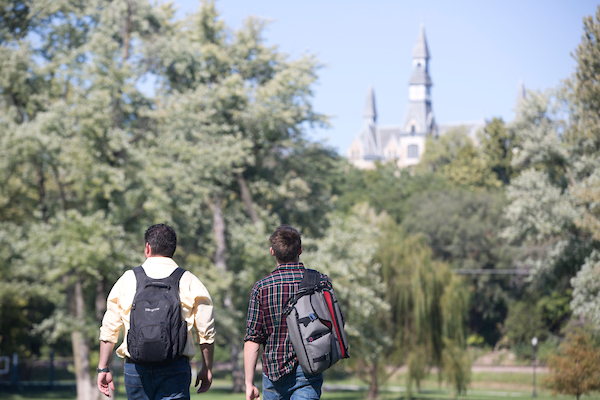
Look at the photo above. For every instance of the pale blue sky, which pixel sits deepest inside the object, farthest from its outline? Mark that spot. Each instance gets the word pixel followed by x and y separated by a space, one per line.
pixel 479 52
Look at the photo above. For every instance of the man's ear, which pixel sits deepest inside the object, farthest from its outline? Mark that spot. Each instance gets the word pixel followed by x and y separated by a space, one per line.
pixel 300 251
pixel 271 250
pixel 147 250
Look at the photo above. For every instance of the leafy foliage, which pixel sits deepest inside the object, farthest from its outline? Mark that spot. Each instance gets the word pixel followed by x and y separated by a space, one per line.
pixel 574 370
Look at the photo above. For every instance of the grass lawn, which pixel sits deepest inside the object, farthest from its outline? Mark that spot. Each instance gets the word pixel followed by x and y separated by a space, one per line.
pixel 484 386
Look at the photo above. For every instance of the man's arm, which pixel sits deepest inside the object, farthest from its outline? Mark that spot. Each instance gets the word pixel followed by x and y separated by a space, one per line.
pixel 250 358
pixel 105 379
pixel 205 373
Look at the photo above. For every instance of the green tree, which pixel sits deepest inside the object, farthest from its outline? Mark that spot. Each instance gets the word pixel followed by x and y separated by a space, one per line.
pixel 469 169
pixel 386 188
pixel 463 228
pixel 429 306
pixel 583 88
pixel 523 322
pixel 401 306
pixel 455 157
pixel 443 150
pixel 542 213
pixel 586 290
pixel 73 121
pixel 346 253
pixel 231 151
pixel 496 143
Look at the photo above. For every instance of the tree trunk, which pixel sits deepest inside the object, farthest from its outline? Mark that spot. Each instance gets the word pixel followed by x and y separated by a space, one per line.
pixel 373 382
pixel 81 352
pixel 237 368
pixel 247 198
pixel 42 192
pixel 100 300
pixel 219 230
pixel 126 32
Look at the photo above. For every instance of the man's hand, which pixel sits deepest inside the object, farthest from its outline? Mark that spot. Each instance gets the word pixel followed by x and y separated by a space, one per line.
pixel 204 375
pixel 105 380
pixel 252 392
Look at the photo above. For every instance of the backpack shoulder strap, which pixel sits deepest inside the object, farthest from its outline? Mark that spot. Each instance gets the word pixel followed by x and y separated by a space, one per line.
pixel 140 277
pixel 310 279
pixel 175 277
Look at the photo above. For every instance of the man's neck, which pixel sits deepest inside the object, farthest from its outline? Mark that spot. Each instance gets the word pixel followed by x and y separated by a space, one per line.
pixel 296 261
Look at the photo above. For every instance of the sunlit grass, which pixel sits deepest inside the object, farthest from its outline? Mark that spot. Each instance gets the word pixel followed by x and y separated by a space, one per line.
pixel 484 386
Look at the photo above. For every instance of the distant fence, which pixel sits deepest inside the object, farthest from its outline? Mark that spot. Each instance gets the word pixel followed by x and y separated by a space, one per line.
pixel 23 374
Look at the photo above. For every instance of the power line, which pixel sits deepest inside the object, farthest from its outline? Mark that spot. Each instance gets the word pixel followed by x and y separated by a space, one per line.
pixel 491 271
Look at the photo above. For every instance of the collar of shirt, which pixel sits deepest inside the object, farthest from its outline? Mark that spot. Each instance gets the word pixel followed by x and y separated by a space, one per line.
pixel 286 266
pixel 159 267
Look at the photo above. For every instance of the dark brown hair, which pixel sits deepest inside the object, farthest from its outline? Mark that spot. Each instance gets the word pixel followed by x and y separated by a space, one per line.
pixel 286 243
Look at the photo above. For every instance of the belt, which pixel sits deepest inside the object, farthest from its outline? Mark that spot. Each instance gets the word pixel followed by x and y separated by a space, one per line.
pixel 130 361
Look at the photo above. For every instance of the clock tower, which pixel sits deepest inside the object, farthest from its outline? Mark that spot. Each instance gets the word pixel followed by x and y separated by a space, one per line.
pixel 419 118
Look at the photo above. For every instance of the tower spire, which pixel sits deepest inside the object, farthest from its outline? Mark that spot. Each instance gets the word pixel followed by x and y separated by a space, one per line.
pixel 421 50
pixel 370 112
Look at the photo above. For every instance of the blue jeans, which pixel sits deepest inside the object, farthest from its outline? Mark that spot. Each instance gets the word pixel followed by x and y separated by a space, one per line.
pixel 165 382
pixel 294 386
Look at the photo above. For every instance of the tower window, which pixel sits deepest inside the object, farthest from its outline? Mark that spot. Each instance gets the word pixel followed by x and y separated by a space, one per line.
pixel 413 151
pixel 412 129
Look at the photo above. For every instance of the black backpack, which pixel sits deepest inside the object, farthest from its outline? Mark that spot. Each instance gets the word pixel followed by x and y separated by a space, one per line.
pixel 157 334
pixel 315 325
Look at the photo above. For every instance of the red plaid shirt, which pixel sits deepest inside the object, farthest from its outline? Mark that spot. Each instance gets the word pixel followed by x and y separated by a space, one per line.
pixel 265 323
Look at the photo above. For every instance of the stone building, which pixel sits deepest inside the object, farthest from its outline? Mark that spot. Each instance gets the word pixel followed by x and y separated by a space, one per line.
pixel 404 144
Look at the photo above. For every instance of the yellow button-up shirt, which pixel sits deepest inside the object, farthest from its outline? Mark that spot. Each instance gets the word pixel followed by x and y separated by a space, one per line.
pixel 196 305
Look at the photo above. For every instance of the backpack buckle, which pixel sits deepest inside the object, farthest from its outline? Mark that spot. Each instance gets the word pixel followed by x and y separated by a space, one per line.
pixel 312 317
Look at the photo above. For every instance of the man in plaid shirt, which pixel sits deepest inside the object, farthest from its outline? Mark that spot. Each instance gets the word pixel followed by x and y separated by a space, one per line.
pixel 283 377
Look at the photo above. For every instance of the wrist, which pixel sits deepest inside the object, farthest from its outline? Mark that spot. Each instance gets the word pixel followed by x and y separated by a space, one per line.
pixel 102 370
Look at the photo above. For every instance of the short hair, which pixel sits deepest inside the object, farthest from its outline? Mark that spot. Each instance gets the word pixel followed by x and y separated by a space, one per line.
pixel 162 240
pixel 286 243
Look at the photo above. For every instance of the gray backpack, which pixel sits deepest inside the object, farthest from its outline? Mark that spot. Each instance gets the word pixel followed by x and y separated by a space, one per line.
pixel 315 325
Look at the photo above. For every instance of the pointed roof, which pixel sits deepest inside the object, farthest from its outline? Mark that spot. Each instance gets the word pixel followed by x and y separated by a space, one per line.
pixel 420 76
pixel 421 50
pixel 370 112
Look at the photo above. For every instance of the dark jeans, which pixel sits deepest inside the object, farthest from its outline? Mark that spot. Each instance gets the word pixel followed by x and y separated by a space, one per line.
pixel 294 386
pixel 166 382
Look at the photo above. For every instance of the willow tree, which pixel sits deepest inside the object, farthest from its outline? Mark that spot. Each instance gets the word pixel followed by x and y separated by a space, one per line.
pixel 346 253
pixel 429 309
pixel 401 306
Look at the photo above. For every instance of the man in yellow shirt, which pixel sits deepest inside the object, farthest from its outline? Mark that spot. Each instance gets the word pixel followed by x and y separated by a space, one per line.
pixel 171 380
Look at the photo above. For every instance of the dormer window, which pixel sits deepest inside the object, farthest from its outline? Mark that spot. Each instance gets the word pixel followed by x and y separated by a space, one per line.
pixel 412 130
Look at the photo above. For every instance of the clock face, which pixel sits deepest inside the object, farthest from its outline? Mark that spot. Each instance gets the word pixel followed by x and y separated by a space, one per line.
pixel 417 92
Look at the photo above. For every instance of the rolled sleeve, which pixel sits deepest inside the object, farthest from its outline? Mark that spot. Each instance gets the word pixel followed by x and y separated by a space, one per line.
pixel 112 321
pixel 202 312
pixel 255 331
pixel 204 320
